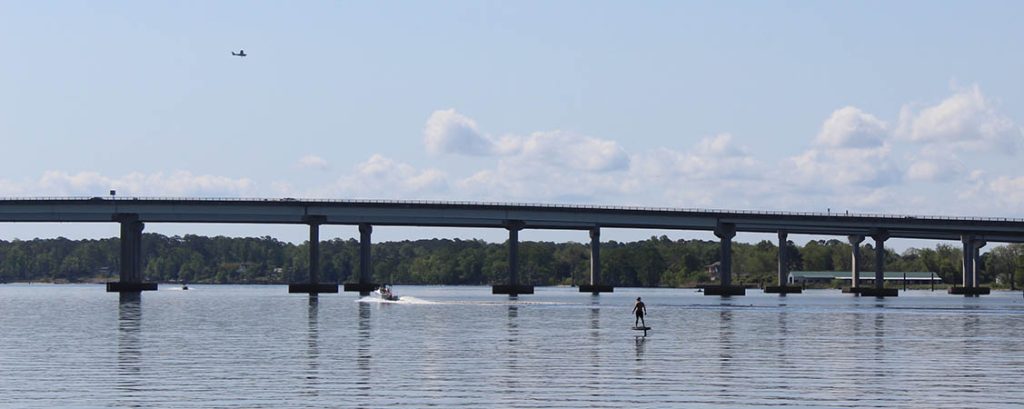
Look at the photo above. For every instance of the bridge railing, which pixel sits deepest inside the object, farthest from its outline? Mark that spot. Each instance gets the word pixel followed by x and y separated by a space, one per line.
pixel 514 204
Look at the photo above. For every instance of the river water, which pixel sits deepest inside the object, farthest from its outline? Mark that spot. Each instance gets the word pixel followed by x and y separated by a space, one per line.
pixel 259 347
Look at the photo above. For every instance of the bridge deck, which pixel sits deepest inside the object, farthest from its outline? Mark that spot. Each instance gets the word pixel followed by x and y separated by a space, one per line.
pixel 498 215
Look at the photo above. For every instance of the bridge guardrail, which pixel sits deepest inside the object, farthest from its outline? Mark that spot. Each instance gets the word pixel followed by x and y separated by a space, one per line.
pixel 514 204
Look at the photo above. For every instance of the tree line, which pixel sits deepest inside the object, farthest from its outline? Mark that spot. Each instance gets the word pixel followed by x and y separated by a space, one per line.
pixel 654 262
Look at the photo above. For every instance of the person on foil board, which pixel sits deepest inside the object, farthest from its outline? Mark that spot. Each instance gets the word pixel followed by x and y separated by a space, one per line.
pixel 640 310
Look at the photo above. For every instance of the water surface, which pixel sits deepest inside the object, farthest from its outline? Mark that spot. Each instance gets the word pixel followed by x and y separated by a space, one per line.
pixel 257 346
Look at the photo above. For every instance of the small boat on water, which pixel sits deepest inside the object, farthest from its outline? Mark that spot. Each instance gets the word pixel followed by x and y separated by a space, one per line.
pixel 386 294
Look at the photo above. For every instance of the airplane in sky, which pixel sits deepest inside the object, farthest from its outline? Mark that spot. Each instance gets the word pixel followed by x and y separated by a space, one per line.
pixel 240 53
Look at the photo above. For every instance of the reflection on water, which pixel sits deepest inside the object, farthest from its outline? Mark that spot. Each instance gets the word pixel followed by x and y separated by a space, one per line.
pixel 129 347
pixel 255 346
pixel 363 341
pixel 513 330
pixel 312 323
pixel 783 338
pixel 725 340
pixel 313 346
pixel 639 341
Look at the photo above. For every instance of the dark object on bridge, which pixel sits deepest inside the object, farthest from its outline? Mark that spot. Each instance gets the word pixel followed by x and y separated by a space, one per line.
pixel 596 288
pixel 783 289
pixel 361 287
pixel 511 289
pixel 127 287
pixel 879 292
pixel 851 290
pixel 970 290
pixel 725 290
pixel 311 288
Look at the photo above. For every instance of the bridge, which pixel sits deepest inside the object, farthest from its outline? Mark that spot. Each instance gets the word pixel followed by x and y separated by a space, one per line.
pixel 133 212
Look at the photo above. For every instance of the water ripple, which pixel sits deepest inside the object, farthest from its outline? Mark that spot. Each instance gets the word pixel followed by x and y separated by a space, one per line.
pixel 258 347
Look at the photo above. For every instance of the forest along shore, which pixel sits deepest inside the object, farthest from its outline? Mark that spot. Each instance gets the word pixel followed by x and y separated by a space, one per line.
pixel 656 262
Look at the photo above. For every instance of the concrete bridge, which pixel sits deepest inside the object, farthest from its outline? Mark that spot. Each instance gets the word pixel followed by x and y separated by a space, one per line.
pixel 133 213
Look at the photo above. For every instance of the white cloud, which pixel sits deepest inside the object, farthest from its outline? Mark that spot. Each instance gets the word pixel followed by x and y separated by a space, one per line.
pixel 855 161
pixel 852 152
pixel 839 168
pixel 513 180
pixel 935 167
pixel 180 183
pixel 573 151
pixel 850 127
pixel 313 162
pixel 965 120
pixel 383 177
pixel 721 146
pixel 716 172
pixel 924 170
pixel 448 131
pixel 66 183
pixel 713 158
pixel 1009 191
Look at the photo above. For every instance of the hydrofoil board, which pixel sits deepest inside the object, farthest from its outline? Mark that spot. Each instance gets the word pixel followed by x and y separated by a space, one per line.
pixel 642 328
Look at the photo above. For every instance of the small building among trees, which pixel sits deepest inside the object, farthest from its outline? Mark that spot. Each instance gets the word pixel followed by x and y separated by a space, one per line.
pixel 866 277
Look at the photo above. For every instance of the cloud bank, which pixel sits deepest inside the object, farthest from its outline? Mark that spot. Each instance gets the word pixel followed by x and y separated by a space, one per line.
pixel 927 158
pixel 87 183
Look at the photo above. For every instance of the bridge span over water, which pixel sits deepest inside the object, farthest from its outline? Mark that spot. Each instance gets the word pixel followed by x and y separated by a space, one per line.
pixel 133 212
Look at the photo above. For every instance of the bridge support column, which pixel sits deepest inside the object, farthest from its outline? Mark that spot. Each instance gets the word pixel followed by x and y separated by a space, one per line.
pixel 365 284
pixel 131 257
pixel 968 261
pixel 879 290
pixel 854 287
pixel 978 244
pixel 513 288
pixel 725 232
pixel 595 287
pixel 971 255
pixel 314 286
pixel 783 288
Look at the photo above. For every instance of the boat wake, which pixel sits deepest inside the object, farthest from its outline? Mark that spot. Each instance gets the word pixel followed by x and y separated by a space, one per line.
pixel 404 299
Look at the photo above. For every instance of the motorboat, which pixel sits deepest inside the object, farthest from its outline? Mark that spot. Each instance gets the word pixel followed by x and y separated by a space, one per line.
pixel 386 294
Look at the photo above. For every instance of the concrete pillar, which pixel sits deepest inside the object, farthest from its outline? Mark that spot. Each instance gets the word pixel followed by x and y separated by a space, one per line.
pixel 131 250
pixel 968 260
pixel 314 287
pixel 855 260
pixel 880 239
pixel 978 244
pixel 971 261
pixel 725 232
pixel 365 263
pixel 513 253
pixel 595 256
pixel 784 286
pixel 595 287
pixel 783 259
pixel 314 253
pixel 131 256
pixel 513 288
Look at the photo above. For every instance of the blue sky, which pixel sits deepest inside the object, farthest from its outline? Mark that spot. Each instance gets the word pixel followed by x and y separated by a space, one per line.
pixel 882 107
